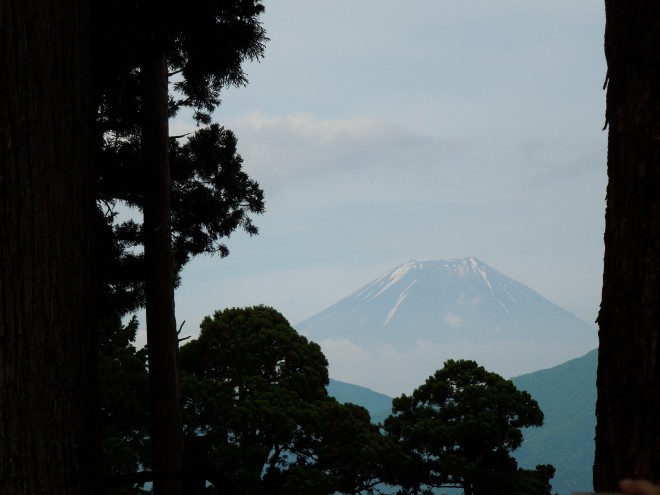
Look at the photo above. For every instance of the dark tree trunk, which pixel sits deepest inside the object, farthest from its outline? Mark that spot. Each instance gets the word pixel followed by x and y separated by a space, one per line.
pixel 48 440
pixel 628 406
pixel 165 410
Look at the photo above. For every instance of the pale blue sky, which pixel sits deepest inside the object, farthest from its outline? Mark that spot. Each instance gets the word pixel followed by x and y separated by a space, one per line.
pixel 383 131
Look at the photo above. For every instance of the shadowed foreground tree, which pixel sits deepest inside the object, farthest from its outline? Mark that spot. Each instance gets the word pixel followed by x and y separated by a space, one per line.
pixel 458 430
pixel 124 419
pixel 628 405
pixel 256 390
pixel 249 381
pixel 166 426
pixel 48 434
pixel 203 45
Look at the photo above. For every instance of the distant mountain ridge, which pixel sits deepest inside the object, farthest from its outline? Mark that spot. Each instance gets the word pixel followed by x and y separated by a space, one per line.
pixel 567 396
pixel 378 405
pixel 462 305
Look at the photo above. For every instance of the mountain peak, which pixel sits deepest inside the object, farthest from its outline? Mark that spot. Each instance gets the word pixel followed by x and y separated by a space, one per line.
pixel 409 272
pixel 454 303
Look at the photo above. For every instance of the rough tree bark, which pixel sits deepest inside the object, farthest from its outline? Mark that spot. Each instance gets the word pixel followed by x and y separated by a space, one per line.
pixel 48 441
pixel 162 342
pixel 628 406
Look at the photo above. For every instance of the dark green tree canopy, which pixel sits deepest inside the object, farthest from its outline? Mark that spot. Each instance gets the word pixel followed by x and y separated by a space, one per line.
pixel 459 428
pixel 195 185
pixel 348 450
pixel 123 387
pixel 250 349
pixel 205 44
pixel 257 390
pixel 249 383
pixel 211 195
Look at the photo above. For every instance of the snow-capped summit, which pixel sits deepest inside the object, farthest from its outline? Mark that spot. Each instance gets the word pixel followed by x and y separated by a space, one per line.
pixel 472 272
pixel 452 302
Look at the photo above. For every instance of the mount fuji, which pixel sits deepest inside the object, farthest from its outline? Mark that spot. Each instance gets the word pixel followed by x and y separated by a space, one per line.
pixel 423 312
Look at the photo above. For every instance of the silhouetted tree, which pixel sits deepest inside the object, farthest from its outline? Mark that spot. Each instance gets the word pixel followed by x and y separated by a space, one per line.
pixel 204 46
pixel 346 453
pixel 256 389
pixel 162 344
pixel 250 380
pixel 628 430
pixel 123 387
pixel 48 406
pixel 458 430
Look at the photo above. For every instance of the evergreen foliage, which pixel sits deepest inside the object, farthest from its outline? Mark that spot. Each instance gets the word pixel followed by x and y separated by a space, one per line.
pixel 459 429
pixel 256 389
pixel 123 383
pixel 205 45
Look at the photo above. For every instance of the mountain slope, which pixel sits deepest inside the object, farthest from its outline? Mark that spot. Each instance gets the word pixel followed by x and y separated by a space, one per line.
pixel 460 308
pixel 567 397
pixel 378 405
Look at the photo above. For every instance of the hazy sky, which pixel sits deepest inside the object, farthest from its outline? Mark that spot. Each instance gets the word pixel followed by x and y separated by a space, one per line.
pixel 383 131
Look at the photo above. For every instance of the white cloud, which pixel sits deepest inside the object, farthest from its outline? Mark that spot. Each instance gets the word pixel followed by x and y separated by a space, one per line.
pixel 392 372
pixel 297 147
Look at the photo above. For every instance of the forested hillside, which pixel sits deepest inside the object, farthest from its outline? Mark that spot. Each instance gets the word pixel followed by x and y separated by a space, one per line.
pixel 567 396
pixel 378 405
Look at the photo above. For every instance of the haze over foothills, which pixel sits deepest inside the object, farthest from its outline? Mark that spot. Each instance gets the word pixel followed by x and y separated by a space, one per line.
pixel 384 131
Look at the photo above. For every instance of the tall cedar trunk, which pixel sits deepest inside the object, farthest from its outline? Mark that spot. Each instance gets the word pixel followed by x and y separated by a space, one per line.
pixel 47 352
pixel 628 406
pixel 165 412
